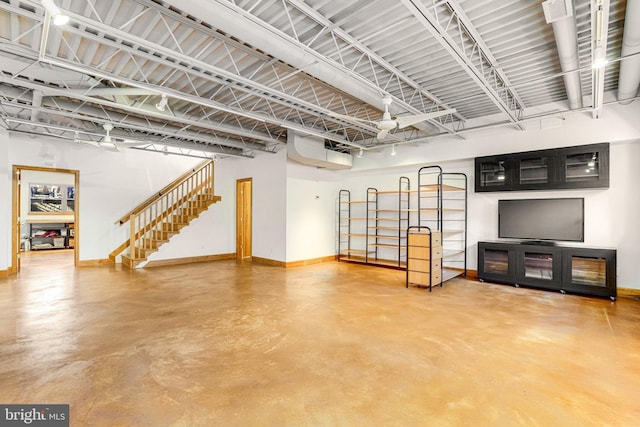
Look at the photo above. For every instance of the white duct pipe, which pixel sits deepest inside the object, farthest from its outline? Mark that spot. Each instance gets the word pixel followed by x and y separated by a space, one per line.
pixel 629 76
pixel 309 150
pixel 564 31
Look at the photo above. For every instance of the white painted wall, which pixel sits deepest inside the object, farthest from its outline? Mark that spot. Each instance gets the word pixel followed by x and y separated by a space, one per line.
pixel 269 173
pixel 214 231
pixel 5 202
pixel 110 184
pixel 209 233
pixel 311 212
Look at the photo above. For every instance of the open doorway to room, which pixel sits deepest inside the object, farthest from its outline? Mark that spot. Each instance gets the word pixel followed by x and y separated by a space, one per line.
pixel 243 218
pixel 44 216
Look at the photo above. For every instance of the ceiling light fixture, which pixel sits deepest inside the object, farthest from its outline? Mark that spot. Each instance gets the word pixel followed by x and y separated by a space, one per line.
pixel 599 51
pixel 59 18
pixel 393 150
pixel 599 58
pixel 163 103
pixel 360 153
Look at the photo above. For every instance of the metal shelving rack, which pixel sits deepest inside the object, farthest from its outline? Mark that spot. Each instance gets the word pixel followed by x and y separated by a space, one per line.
pixel 442 206
pixel 382 228
pixel 388 232
pixel 348 233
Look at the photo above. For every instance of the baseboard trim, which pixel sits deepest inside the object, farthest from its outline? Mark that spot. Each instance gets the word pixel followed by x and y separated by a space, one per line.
pixel 311 261
pixel 94 262
pixel 188 260
pixel 472 274
pixel 4 273
pixel 628 293
pixel 267 261
pixel 283 264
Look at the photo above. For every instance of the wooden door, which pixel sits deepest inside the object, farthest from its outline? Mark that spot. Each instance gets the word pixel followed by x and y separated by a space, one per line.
pixel 243 218
pixel 18 217
pixel 16 220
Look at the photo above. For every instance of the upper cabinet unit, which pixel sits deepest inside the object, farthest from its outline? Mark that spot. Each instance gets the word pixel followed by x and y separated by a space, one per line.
pixel 585 166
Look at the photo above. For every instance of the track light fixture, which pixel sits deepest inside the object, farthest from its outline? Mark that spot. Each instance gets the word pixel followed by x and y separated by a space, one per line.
pixel 59 18
pixel 360 153
pixel 163 103
pixel 599 58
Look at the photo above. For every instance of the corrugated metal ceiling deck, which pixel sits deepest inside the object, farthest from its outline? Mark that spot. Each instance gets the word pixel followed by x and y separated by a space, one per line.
pixel 238 74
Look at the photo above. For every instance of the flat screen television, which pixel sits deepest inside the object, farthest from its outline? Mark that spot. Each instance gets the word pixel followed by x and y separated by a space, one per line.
pixel 542 219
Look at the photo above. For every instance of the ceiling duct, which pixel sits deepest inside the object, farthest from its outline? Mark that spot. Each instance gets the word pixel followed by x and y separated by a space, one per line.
pixel 559 13
pixel 555 10
pixel 309 150
pixel 629 77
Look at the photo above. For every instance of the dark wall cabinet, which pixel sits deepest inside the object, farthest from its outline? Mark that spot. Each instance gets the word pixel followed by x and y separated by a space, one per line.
pixel 585 166
pixel 587 271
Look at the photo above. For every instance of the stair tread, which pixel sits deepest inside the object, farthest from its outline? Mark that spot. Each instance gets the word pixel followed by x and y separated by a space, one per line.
pixel 172 224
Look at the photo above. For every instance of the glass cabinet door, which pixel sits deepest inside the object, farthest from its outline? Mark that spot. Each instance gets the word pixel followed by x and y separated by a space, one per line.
pixel 496 261
pixel 588 271
pixel 534 170
pixel 493 174
pixel 538 265
pixel 585 166
pixel 582 167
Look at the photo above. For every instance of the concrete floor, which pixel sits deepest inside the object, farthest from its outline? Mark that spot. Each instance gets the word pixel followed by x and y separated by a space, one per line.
pixel 333 344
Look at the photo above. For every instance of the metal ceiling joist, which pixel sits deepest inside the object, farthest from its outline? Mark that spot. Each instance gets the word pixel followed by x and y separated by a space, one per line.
pixel 481 67
pixel 412 90
pixel 189 64
pixel 26 126
pixel 179 60
pixel 232 19
pixel 147 112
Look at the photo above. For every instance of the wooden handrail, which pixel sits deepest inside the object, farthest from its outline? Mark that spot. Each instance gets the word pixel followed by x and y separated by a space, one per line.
pixel 176 182
pixel 182 197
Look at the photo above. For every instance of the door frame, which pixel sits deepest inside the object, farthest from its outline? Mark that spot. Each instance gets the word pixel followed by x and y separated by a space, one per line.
pixel 15 212
pixel 240 219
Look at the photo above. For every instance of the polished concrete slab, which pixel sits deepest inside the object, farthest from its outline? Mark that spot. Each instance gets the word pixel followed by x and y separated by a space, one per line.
pixel 333 344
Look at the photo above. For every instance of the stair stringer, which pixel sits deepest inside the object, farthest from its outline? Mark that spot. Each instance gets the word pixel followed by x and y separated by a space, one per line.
pixel 171 229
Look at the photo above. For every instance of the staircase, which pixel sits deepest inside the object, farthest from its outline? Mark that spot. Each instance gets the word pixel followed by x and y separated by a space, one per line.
pixel 157 219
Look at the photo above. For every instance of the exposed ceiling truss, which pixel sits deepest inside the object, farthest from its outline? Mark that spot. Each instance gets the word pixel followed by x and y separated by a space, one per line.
pixel 233 77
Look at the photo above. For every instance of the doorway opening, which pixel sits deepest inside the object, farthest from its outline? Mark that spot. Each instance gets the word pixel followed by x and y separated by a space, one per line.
pixel 44 218
pixel 244 188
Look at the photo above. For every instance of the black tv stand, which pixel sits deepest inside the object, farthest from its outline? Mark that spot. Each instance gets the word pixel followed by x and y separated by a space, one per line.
pixel 581 270
pixel 539 242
